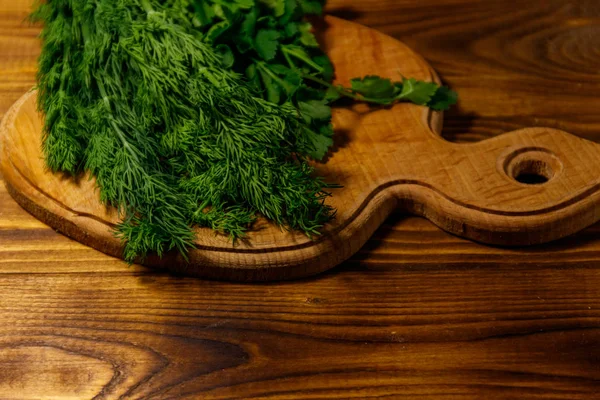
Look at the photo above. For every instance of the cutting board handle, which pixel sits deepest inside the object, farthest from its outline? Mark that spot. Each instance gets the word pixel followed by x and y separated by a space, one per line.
pixel 525 187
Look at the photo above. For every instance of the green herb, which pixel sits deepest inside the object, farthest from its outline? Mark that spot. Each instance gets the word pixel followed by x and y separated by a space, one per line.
pixel 377 90
pixel 274 46
pixel 196 113
pixel 133 93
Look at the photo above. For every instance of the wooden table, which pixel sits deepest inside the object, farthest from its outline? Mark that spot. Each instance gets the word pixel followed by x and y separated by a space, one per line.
pixel 417 313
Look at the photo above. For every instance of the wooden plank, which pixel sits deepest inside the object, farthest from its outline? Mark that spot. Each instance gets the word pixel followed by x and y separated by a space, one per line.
pixel 418 313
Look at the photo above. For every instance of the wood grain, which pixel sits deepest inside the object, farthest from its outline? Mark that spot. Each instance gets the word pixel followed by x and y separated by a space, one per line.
pixel 385 159
pixel 417 313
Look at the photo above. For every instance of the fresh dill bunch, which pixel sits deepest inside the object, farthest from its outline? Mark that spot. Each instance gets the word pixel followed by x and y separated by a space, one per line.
pixel 133 93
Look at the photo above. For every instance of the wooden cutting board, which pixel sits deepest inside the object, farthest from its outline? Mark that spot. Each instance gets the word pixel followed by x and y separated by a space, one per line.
pixel 525 187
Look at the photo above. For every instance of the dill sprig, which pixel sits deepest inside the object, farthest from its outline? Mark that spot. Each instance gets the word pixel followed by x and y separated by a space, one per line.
pixel 133 94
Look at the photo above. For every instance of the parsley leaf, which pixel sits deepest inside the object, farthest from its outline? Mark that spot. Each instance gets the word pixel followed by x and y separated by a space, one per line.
pixel 278 6
pixel 315 110
pixel 204 13
pixel 327 69
pixel 307 38
pixel 373 87
pixel 246 32
pixel 418 92
pixel 443 99
pixel 267 43
pixel 312 6
pixel 290 80
pixel 319 143
pixel 333 94
pixel 291 30
pixel 291 6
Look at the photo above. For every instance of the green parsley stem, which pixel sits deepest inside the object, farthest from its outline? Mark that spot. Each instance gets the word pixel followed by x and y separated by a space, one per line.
pixel 302 57
pixel 347 92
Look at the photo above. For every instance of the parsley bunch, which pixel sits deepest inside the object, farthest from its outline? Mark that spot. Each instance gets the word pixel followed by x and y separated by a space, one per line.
pixel 196 112
pixel 272 43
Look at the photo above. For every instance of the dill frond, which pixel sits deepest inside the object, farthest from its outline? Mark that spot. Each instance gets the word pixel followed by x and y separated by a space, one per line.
pixel 133 94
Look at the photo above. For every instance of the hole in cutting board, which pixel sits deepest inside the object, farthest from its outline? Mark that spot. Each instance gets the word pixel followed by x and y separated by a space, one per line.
pixel 531 179
pixel 532 166
pixel 532 172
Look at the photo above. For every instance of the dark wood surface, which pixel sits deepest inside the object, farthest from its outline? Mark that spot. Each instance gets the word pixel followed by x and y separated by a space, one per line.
pixel 417 313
